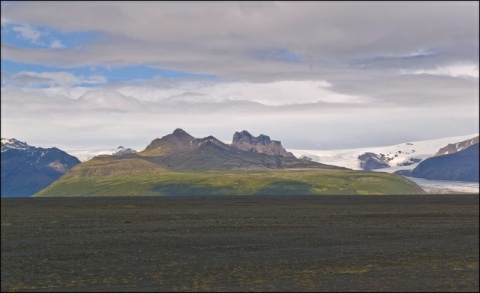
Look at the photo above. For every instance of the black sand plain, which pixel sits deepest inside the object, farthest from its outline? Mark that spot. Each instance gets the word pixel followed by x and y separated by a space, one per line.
pixel 235 243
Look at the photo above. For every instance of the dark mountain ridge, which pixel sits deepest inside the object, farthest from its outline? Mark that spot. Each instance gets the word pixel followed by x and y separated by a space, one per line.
pixel 27 169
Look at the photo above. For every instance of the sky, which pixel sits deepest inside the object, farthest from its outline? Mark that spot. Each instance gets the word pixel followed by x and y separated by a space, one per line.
pixel 314 75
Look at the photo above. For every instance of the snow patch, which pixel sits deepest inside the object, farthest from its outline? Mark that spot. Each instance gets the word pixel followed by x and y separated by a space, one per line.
pixel 8 140
pixel 12 143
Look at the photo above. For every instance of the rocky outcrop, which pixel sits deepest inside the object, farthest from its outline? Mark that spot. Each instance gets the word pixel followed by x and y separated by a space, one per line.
pixel 306 158
pixel 259 144
pixel 372 161
pixel 121 151
pixel 456 147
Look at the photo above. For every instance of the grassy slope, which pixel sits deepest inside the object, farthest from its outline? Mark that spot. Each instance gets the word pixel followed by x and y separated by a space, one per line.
pixel 278 182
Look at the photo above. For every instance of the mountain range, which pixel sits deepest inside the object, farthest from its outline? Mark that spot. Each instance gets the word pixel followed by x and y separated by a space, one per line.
pixel 180 164
pixel 27 169
pixel 181 151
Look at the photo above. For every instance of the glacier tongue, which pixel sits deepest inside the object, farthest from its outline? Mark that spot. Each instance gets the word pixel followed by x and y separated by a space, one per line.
pixel 400 153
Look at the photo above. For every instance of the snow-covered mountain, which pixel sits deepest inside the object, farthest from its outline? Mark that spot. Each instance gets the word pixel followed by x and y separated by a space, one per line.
pixel 85 155
pixel 12 143
pixel 27 169
pixel 404 156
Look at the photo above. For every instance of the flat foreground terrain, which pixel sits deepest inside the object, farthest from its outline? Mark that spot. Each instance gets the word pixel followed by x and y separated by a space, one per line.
pixel 250 243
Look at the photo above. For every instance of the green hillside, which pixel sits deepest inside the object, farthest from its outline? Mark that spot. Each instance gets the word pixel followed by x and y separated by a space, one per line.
pixel 275 182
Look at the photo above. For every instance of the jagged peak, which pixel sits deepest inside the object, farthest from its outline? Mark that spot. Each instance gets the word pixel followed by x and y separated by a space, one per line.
pixel 262 144
pixel 245 136
pixel 244 132
pixel 180 131
pixel 12 143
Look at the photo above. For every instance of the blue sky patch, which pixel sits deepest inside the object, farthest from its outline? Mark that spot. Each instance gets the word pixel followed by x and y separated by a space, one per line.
pixel 113 75
pixel 29 36
pixel 37 37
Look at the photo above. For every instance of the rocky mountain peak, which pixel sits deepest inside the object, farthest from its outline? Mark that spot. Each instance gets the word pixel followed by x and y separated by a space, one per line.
pixel 456 147
pixel 176 141
pixel 259 144
pixel 245 137
pixel 180 132
pixel 12 143
pixel 372 161
pixel 121 151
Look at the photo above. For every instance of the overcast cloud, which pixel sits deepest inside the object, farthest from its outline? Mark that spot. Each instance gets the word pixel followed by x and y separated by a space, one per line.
pixel 315 75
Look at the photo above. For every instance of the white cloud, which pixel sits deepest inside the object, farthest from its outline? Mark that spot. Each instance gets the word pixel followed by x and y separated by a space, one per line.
pixel 109 116
pixel 232 39
pixel 56 44
pixel 28 33
pixel 276 93
pixel 362 72
pixel 462 70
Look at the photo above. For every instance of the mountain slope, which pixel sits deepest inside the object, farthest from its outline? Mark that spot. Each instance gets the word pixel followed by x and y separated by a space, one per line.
pixel 26 169
pixel 105 166
pixel 271 182
pixel 458 166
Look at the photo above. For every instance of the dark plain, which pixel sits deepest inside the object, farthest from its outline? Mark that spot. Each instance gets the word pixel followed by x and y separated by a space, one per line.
pixel 241 243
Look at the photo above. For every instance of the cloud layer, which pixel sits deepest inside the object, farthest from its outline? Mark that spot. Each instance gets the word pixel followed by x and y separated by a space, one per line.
pixel 312 74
